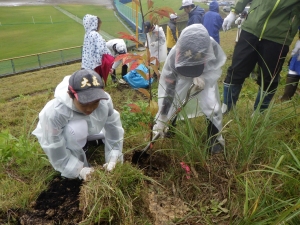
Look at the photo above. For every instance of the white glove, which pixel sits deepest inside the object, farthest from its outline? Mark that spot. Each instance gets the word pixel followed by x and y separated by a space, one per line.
pixel 153 44
pixel 296 48
pixel 228 21
pixel 85 171
pixel 199 82
pixel 239 22
pixel 161 125
pixel 109 166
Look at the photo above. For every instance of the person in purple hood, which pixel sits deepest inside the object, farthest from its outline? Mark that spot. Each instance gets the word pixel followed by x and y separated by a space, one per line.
pixel 195 12
pixel 213 21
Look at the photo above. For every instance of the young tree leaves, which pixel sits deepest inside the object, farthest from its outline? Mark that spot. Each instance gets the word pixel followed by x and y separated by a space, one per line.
pixel 164 11
pixel 150 4
pixel 145 92
pixel 129 37
pixel 134 65
pixel 143 74
pixel 122 56
pixel 153 107
pixel 134 108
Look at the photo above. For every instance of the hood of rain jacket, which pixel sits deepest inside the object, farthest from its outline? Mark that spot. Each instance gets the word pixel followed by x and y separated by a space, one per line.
pixel 195 16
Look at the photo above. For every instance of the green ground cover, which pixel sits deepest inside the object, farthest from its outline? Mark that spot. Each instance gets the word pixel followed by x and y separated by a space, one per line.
pixel 175 5
pixel 256 181
pixel 38 29
pixel 110 23
pixel 20 36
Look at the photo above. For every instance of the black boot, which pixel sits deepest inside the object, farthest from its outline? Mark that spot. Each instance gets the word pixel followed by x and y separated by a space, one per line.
pixel 231 94
pixel 124 70
pixel 114 77
pixel 290 87
pixel 214 147
pixel 267 97
pixel 171 131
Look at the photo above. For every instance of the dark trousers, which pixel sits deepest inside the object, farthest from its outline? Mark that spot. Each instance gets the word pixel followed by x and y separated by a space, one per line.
pixel 248 51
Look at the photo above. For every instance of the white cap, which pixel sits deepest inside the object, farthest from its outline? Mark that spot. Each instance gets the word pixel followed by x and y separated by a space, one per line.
pixel 186 3
pixel 173 16
pixel 120 48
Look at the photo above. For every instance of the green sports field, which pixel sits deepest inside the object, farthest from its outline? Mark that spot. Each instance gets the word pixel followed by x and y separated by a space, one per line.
pixel 26 30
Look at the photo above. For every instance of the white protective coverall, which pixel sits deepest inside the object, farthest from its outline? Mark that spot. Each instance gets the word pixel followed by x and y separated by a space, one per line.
pixel 173 87
pixel 94 46
pixel 158 44
pixel 110 45
pixel 65 155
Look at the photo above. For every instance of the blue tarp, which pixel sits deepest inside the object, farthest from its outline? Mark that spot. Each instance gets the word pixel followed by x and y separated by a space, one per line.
pixel 135 80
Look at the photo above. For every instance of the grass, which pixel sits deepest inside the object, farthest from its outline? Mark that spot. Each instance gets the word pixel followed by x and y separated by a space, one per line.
pixel 175 5
pixel 25 37
pixel 32 31
pixel 110 23
pixel 255 182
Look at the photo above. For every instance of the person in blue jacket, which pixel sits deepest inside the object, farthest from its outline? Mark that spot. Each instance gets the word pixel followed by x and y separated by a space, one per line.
pixel 213 21
pixel 195 12
pixel 293 75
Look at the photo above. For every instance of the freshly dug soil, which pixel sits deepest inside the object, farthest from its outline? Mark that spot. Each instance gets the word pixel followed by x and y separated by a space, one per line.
pixel 59 204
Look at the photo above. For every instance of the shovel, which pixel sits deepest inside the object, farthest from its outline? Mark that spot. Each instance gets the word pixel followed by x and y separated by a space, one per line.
pixel 138 154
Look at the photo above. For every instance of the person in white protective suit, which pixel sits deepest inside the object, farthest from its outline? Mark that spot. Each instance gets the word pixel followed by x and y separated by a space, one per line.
pixel 81 111
pixel 117 47
pixel 196 58
pixel 157 42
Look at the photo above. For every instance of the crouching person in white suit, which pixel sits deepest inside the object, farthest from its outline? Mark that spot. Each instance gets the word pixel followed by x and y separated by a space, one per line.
pixel 81 111
pixel 196 58
pixel 117 47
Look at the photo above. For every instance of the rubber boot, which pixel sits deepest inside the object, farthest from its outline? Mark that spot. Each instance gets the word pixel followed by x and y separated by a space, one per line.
pixel 231 94
pixel 267 97
pixel 290 87
pixel 124 70
pixel 214 147
pixel 114 77
pixel 171 131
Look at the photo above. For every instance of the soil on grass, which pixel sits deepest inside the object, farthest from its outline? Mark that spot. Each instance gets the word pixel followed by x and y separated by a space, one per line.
pixel 59 203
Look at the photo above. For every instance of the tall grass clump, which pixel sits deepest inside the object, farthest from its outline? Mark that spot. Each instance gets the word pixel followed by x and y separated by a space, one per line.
pixel 252 139
pixel 262 166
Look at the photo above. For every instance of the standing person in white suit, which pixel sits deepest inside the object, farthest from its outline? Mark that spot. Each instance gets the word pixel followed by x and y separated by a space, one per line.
pixel 117 47
pixel 196 58
pixel 81 111
pixel 157 42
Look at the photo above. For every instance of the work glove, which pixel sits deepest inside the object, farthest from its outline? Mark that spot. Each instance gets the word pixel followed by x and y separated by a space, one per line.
pixel 160 125
pixel 199 82
pixel 296 48
pixel 154 44
pixel 84 172
pixel 230 18
pixel 109 166
pixel 239 22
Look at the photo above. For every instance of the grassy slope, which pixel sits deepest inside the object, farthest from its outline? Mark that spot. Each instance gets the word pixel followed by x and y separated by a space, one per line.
pixel 249 145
